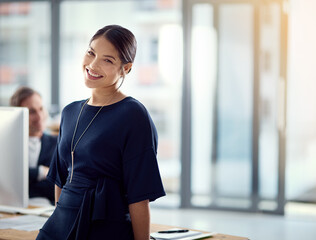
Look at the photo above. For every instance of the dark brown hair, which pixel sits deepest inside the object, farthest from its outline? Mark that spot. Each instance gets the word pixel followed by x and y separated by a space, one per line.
pixel 122 39
pixel 20 95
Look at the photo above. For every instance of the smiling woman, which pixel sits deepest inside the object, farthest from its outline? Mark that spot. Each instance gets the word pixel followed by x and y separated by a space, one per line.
pixel 102 63
pixel 107 61
pixel 156 75
pixel 105 167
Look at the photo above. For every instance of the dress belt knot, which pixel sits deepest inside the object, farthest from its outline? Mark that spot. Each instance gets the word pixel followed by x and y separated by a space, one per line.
pixel 93 206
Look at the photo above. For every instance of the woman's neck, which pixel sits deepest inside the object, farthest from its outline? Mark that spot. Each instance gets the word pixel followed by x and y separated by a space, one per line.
pixel 105 98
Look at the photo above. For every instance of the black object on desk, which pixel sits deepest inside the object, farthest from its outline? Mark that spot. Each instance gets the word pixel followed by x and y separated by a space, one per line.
pixel 174 231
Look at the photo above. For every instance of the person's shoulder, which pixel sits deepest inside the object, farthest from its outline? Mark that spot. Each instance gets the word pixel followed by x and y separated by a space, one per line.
pixel 132 105
pixel 136 111
pixel 73 106
pixel 49 137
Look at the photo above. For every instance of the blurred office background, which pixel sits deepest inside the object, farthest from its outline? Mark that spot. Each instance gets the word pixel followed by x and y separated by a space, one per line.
pixel 229 83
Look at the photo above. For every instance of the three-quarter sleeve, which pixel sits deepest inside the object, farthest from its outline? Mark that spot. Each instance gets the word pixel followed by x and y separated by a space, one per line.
pixel 142 179
pixel 58 170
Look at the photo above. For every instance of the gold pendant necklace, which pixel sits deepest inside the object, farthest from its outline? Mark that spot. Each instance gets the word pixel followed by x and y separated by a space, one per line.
pixel 73 147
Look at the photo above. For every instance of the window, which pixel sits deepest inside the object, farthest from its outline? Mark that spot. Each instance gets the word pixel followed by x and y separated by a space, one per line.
pixel 24 48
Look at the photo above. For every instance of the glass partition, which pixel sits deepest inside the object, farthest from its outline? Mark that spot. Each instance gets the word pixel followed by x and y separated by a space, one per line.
pixel 235 99
pixel 204 66
pixel 270 93
pixel 222 92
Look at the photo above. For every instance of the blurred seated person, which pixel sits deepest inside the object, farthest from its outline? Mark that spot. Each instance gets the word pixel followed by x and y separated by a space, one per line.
pixel 41 145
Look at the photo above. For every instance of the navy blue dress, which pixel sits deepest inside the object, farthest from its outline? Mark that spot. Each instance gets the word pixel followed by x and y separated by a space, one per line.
pixel 114 165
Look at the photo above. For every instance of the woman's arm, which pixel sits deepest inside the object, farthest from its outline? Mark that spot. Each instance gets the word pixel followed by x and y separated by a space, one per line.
pixel 140 216
pixel 57 193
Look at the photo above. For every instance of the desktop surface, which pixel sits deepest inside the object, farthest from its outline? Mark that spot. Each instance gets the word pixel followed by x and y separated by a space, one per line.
pixel 11 234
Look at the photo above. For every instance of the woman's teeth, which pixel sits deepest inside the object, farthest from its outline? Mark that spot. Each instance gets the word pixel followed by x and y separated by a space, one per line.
pixel 93 75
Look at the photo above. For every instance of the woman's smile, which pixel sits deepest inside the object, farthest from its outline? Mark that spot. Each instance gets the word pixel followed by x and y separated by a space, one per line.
pixel 92 75
pixel 102 65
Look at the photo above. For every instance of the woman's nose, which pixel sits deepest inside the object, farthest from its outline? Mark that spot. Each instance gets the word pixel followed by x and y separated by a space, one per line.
pixel 94 64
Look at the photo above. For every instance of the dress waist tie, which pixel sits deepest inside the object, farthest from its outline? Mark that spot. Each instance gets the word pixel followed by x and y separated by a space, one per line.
pixel 93 206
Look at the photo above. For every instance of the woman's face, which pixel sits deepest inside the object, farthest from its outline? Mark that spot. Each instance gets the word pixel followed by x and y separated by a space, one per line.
pixel 101 65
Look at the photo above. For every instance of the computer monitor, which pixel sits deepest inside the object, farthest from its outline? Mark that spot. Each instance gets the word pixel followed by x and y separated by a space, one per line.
pixel 14 136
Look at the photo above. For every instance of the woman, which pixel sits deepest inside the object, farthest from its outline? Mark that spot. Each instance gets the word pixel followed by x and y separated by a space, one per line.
pixel 105 169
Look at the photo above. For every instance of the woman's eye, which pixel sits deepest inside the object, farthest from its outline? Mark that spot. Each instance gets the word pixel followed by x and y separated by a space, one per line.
pixel 109 61
pixel 90 52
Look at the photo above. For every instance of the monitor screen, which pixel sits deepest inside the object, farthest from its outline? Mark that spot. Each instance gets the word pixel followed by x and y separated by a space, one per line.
pixel 14 136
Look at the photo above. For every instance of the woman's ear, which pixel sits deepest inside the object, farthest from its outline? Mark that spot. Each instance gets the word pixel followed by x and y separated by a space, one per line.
pixel 127 67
